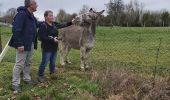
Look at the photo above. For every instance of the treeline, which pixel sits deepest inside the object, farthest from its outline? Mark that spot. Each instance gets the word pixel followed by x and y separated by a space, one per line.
pixel 8 16
pixel 133 14
pixel 118 13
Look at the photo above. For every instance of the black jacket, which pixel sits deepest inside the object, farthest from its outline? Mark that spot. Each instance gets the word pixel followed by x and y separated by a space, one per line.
pixel 24 29
pixel 45 33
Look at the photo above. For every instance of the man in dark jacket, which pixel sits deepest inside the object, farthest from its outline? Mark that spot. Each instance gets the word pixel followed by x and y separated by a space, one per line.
pixel 24 35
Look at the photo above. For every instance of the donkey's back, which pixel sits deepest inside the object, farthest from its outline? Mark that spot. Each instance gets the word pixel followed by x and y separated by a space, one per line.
pixel 71 36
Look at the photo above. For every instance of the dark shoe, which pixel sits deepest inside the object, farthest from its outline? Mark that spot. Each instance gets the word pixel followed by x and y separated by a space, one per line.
pixel 28 82
pixel 53 76
pixel 16 89
pixel 41 79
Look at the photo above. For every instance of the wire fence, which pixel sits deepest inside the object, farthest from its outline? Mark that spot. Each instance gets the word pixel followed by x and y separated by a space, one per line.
pixel 145 50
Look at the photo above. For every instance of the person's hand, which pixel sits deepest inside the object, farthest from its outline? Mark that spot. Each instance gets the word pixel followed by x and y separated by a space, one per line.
pixel 69 23
pixel 55 39
pixel 50 37
pixel 21 49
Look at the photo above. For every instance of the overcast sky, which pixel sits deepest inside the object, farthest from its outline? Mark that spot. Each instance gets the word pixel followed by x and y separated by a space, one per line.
pixel 72 6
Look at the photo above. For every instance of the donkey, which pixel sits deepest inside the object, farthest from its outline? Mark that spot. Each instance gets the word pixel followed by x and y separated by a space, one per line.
pixel 80 36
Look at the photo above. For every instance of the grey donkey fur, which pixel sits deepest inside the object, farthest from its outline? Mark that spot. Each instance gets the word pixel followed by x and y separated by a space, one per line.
pixel 80 36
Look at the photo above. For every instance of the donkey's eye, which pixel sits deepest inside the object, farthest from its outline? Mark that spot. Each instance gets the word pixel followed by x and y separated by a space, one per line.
pixel 90 16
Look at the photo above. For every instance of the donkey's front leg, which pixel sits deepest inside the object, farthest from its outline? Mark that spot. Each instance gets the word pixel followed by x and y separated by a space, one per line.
pixel 62 54
pixel 87 53
pixel 82 58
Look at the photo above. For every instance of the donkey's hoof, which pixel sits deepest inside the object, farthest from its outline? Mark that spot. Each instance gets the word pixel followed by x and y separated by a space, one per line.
pixel 62 65
pixel 87 68
pixel 82 69
pixel 69 62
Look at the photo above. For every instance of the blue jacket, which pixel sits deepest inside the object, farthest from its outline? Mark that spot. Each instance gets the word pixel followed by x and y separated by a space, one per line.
pixel 24 30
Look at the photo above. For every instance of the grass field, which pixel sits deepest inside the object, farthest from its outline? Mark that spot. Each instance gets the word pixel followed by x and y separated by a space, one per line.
pixel 121 55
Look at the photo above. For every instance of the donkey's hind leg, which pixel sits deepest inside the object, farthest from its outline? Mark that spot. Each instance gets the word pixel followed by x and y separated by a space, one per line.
pixel 62 53
pixel 67 60
pixel 82 58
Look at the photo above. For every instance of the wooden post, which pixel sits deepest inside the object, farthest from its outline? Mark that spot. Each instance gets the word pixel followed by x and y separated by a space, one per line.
pixel 3 53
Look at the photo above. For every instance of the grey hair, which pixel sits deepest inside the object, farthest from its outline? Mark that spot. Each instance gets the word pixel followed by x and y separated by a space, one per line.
pixel 28 2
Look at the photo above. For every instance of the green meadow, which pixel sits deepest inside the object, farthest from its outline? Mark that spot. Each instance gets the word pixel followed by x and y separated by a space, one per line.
pixel 131 49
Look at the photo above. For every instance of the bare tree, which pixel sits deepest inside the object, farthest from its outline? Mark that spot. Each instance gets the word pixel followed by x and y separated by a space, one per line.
pixel 10 14
pixel 141 13
pixel 115 9
pixel 84 9
pixel 0 10
pixel 165 17
pixel 134 13
pixel 62 16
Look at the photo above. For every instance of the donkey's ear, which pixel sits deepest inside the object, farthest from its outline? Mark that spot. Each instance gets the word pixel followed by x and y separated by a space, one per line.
pixel 91 9
pixel 101 12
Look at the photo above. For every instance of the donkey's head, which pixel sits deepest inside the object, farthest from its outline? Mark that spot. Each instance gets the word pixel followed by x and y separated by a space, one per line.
pixel 88 18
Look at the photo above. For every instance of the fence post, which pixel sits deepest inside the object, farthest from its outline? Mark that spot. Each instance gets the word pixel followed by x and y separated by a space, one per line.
pixel 5 50
pixel 139 47
pixel 156 63
pixel 105 54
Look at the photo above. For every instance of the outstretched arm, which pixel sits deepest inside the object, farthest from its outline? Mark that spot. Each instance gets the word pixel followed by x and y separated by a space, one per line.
pixel 62 25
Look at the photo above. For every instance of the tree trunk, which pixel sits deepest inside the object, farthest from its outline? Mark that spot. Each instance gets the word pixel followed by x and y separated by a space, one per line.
pixel 127 24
